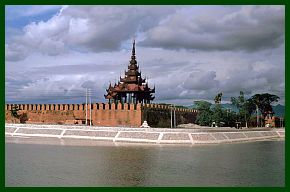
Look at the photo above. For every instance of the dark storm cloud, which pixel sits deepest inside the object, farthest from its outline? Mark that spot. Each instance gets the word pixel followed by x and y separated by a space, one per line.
pixel 249 29
pixel 201 80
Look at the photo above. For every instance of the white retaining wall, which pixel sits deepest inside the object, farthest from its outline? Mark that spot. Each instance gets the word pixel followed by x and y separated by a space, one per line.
pixel 140 135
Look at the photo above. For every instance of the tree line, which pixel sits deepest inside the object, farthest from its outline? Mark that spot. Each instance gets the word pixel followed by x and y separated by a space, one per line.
pixel 251 111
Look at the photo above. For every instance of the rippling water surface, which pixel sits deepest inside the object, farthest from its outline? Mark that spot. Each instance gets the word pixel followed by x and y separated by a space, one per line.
pixel 243 164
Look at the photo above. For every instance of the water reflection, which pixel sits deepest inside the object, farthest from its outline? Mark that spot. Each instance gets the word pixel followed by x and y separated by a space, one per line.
pixel 127 165
pixel 244 164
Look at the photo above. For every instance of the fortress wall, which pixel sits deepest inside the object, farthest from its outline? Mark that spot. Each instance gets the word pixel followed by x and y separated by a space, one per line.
pixel 103 114
pixel 160 115
pixel 117 115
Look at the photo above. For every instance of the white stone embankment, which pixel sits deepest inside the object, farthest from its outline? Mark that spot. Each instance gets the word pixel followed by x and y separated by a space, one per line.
pixel 144 135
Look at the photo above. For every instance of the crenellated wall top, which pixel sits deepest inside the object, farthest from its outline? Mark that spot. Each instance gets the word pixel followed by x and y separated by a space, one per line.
pixel 94 106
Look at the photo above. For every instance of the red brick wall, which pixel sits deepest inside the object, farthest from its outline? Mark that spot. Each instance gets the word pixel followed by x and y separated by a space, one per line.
pixel 102 114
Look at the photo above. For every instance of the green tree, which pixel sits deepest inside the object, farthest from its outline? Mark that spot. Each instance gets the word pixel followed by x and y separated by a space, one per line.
pixel 218 114
pixel 204 116
pixel 243 106
pixel 14 111
pixel 263 102
pixel 223 117
pixel 218 98
pixel 231 118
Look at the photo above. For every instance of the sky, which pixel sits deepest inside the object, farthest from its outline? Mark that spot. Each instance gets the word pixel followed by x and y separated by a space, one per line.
pixel 53 53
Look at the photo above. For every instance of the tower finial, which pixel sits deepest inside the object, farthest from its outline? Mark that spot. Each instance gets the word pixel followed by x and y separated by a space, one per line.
pixel 133 49
pixel 133 57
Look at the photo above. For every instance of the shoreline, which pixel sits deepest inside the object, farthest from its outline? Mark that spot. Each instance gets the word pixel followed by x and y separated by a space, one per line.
pixel 94 143
pixel 143 136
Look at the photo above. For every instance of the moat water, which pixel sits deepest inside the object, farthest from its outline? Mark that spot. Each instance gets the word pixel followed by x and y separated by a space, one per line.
pixel 241 164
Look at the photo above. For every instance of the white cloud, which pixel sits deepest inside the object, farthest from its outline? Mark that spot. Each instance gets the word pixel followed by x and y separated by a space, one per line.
pixel 250 28
pixel 53 60
pixel 92 28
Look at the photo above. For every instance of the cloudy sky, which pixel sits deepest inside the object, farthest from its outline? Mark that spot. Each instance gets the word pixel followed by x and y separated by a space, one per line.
pixel 189 53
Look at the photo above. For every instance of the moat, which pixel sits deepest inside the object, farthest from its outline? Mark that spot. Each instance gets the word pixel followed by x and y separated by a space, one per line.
pixel 58 163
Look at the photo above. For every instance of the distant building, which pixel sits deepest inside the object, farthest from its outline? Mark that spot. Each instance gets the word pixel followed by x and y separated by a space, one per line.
pixel 132 88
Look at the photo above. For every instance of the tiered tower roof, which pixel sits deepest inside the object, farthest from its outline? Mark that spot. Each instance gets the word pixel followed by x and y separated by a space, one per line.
pixel 132 85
